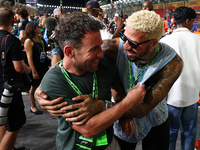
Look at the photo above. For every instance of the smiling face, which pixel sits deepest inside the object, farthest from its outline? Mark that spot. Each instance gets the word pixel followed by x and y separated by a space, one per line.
pixel 143 51
pixel 87 57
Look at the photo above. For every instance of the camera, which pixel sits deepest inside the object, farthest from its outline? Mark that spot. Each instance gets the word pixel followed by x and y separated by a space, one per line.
pixel 51 40
pixel 6 99
pixel 121 14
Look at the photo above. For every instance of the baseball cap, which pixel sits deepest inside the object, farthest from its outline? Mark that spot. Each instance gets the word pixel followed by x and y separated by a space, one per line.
pixel 92 4
pixel 116 15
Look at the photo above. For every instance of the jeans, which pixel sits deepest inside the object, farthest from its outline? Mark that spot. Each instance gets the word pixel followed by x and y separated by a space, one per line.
pixel 186 119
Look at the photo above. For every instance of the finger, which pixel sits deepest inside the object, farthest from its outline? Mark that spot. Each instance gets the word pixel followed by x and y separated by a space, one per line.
pixel 131 129
pixel 44 102
pixel 73 114
pixel 142 86
pixel 76 119
pixel 81 123
pixel 74 106
pixel 127 129
pixel 137 85
pixel 40 93
pixel 80 97
pixel 56 113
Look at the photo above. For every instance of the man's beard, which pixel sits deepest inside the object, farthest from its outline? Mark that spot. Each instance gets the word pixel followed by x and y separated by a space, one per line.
pixel 138 58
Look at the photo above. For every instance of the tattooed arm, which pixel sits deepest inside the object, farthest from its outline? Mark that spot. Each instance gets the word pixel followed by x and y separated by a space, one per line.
pixel 110 48
pixel 160 83
pixel 106 118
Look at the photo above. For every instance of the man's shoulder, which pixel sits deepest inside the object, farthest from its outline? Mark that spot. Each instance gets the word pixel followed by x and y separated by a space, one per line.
pixel 52 78
pixel 11 37
pixel 54 72
pixel 105 62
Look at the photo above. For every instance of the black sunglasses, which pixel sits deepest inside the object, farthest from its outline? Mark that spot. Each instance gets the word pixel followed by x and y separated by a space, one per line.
pixel 130 42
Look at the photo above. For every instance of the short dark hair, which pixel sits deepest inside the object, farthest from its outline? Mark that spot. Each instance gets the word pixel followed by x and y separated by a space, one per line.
pixel 72 28
pixel 30 29
pixel 23 12
pixel 182 13
pixel 6 17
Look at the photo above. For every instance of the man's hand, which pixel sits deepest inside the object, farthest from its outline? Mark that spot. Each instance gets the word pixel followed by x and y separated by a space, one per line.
pixel 136 94
pixel 52 106
pixel 120 23
pixel 85 110
pixel 128 126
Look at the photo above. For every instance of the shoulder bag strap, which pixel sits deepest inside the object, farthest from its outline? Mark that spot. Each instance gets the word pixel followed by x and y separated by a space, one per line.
pixel 3 53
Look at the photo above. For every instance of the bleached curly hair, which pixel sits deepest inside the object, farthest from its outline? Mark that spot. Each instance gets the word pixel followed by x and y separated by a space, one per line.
pixel 146 21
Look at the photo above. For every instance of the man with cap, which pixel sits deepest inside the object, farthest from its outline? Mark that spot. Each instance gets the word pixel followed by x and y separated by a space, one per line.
pixel 93 9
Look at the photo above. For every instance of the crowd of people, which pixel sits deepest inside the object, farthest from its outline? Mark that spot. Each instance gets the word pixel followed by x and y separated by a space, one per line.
pixel 124 80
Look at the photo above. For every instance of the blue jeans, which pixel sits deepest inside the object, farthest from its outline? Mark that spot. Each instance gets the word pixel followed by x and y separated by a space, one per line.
pixel 186 119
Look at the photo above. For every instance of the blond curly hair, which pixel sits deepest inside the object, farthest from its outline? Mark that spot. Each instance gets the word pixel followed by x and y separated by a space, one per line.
pixel 146 21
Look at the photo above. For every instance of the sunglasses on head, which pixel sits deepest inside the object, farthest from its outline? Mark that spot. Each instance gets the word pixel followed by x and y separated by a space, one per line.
pixel 130 42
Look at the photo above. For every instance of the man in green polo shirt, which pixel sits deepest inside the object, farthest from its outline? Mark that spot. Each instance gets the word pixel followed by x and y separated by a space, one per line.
pixel 85 71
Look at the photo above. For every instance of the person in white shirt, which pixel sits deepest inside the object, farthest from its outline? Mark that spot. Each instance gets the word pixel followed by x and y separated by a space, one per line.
pixel 183 97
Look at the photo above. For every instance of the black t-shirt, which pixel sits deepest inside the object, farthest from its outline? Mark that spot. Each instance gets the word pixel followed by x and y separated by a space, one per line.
pixel 54 84
pixel 22 25
pixel 13 53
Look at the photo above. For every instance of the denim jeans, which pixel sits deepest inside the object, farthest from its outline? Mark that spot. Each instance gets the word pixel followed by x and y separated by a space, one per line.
pixel 184 118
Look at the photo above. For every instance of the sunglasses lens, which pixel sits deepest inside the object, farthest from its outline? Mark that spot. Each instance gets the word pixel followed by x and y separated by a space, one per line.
pixel 124 38
pixel 132 44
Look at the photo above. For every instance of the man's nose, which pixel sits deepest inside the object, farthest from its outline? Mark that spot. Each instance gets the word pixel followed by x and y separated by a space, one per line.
pixel 127 46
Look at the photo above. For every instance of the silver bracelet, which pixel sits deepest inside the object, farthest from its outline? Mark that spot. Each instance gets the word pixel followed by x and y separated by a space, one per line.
pixel 109 105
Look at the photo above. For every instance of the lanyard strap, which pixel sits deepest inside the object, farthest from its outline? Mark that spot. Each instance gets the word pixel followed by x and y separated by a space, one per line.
pixel 141 72
pixel 95 85
pixel 41 42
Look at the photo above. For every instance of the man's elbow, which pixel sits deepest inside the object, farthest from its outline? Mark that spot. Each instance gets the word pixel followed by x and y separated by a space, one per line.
pixel 19 69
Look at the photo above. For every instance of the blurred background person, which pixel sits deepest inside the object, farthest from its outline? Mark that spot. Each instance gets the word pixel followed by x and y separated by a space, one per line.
pixel 113 25
pixel 165 24
pixel 147 6
pixel 172 26
pixel 11 72
pixel 36 49
pixel 198 29
pixel 100 15
pixel 105 20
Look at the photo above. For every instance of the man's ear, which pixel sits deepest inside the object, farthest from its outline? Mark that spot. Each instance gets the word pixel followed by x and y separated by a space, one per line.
pixel 154 43
pixel 187 22
pixel 69 51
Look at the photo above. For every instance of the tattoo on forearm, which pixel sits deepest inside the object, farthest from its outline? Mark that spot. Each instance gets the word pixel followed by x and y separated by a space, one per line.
pixel 161 83
pixel 110 48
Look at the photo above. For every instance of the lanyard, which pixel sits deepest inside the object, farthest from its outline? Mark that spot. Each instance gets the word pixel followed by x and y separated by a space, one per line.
pixel 99 139
pixel 141 72
pixel 95 85
pixel 41 42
